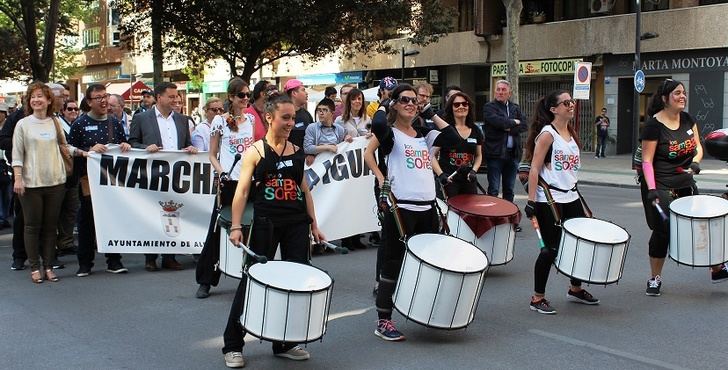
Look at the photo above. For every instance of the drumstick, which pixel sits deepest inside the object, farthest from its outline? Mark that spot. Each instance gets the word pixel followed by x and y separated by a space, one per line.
pixel 660 211
pixel 334 248
pixel 257 257
pixel 534 222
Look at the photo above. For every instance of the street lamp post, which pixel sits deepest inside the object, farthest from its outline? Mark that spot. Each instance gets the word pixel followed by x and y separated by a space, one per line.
pixel 407 54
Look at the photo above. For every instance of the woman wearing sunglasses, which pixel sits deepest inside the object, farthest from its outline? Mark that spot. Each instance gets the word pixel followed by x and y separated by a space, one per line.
pixel 459 162
pixel 231 134
pixel 553 151
pixel 407 164
pixel 671 153
pixel 201 135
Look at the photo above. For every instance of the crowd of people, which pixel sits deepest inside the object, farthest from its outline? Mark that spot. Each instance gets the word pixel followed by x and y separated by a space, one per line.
pixel 260 139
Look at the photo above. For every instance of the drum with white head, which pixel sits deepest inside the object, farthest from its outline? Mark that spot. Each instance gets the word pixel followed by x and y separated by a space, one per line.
pixel 698 230
pixel 441 281
pixel 592 250
pixel 286 301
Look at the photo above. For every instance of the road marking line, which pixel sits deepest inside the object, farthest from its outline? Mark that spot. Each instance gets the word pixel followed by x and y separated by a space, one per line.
pixel 614 352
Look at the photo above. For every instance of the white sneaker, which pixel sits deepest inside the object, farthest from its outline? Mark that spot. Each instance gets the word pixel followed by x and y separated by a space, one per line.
pixel 234 359
pixel 296 353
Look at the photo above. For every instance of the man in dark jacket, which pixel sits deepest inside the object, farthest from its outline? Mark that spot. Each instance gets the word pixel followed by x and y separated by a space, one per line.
pixel 502 148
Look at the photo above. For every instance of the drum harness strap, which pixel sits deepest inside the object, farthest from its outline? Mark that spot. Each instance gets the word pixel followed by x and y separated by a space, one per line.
pixel 552 203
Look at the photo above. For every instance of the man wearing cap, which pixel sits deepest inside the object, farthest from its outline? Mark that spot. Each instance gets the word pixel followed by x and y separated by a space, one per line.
pixel 386 85
pixel 147 102
pixel 297 92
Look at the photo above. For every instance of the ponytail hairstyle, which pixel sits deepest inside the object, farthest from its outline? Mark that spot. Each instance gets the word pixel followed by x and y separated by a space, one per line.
pixel 543 117
pixel 662 95
pixel 392 115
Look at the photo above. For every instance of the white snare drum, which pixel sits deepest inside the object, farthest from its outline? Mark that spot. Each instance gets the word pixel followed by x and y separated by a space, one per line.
pixel 286 301
pixel 231 257
pixel 698 230
pixel 440 281
pixel 592 250
pixel 487 222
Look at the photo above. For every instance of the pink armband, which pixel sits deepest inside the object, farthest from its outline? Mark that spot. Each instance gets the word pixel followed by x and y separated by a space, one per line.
pixel 649 175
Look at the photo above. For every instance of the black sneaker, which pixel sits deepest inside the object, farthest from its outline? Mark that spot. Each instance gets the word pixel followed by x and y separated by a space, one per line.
pixel 83 271
pixel 542 306
pixel 203 291
pixel 720 275
pixel 116 267
pixel 581 296
pixel 18 264
pixel 518 229
pixel 653 286
pixel 387 331
pixel 67 251
pixel 57 265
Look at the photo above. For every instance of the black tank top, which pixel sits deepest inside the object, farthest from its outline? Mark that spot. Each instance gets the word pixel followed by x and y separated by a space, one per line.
pixel 278 182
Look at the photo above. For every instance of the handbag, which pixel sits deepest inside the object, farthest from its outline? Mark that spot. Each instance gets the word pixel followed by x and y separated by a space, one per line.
pixel 66 154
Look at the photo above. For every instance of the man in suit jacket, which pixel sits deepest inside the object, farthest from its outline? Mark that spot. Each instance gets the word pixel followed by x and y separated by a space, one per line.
pixel 161 128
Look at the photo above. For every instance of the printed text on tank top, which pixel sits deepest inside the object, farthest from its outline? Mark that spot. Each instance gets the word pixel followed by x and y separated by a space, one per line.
pixel 409 168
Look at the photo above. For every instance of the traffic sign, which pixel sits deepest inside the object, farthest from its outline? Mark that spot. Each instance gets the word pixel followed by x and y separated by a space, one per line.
pixel 639 81
pixel 582 80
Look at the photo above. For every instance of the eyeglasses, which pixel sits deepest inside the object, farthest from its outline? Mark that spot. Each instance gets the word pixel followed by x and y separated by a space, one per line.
pixel 407 100
pixel 243 95
pixel 101 98
pixel 423 96
pixel 323 110
pixel 71 109
pixel 567 103
pixel 459 104
pixel 216 110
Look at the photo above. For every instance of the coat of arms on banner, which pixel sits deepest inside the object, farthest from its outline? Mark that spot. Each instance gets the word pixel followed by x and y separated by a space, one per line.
pixel 170 216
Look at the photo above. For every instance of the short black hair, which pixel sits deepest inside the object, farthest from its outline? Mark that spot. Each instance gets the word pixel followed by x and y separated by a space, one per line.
pixel 330 91
pixel 159 89
pixel 260 88
pixel 327 103
pixel 93 87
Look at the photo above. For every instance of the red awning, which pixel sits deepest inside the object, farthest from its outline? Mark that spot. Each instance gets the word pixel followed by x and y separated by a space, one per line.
pixel 136 91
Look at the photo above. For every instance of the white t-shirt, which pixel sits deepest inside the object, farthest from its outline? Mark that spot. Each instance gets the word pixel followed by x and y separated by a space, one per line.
pixel 201 136
pixel 409 168
pixel 232 143
pixel 562 172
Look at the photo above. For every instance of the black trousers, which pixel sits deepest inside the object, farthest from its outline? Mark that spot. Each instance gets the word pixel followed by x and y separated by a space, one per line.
pixel 413 223
pixel 458 187
pixel 205 272
pixel 551 235
pixel 660 238
pixel 265 236
pixel 87 236
pixel 18 231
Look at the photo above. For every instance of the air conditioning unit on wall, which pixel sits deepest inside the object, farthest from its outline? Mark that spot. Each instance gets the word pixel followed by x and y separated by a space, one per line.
pixel 601 6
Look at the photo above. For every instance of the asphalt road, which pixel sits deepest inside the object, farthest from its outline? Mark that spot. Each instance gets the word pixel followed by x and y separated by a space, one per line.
pixel 144 320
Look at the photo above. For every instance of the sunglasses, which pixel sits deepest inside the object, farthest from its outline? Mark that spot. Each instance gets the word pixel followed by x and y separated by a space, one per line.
pixel 567 103
pixel 407 100
pixel 216 110
pixel 459 104
pixel 243 95
pixel 71 109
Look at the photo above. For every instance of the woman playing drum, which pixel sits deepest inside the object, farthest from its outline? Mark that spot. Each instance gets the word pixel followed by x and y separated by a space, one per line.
pixel 283 210
pixel 231 134
pixel 409 169
pixel 671 153
pixel 553 150
pixel 463 159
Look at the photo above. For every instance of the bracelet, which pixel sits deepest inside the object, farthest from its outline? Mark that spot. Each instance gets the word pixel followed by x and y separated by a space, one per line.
pixel 236 227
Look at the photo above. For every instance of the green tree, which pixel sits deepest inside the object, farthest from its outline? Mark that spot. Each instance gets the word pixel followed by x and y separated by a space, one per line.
pixel 513 19
pixel 32 26
pixel 251 34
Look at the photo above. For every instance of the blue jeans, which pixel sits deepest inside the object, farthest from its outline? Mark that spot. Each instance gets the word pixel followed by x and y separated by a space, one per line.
pixel 502 170
pixel 601 145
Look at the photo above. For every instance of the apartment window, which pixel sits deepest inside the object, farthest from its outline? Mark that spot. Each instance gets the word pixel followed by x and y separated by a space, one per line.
pixel 465 17
pixel 91 37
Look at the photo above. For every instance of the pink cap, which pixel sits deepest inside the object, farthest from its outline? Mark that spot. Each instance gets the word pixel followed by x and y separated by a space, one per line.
pixel 292 84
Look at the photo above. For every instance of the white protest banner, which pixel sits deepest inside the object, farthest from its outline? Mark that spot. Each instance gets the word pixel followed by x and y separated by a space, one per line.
pixel 151 202
pixel 342 186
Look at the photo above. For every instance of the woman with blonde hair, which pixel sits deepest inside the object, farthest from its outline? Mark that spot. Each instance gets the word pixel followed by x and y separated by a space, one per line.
pixel 39 148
